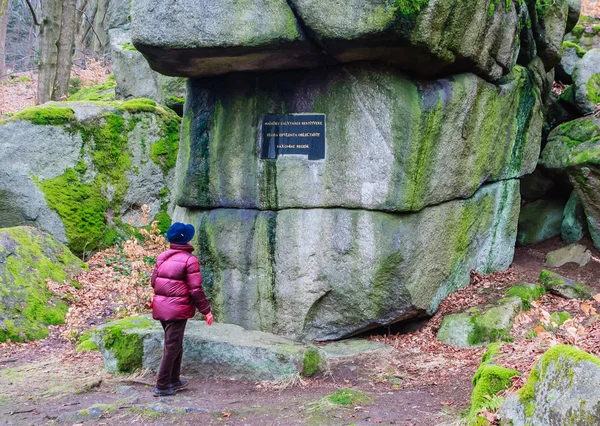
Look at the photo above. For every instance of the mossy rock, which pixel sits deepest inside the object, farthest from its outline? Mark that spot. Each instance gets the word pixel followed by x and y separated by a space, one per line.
pixel 489 379
pixel 574 148
pixel 565 287
pixel 29 257
pixel 561 389
pixel 87 168
pixel 221 350
pixel 479 326
pixel 527 292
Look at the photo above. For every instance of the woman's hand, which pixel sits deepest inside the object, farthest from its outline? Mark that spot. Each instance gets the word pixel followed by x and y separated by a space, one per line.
pixel 209 319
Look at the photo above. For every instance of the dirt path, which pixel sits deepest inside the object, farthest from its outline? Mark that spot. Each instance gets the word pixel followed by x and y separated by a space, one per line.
pixel 48 385
pixel 419 381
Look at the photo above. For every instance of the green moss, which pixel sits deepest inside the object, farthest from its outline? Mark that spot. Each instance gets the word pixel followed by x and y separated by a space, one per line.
pixel 164 221
pixel 491 353
pixel 311 362
pixel 81 206
pixel 593 88
pixel 409 7
pixel 128 348
pixel 568 95
pixel 138 105
pixel 580 51
pixel 128 46
pixel 556 320
pixel 489 379
pixel 346 397
pixel 87 346
pixel 164 152
pixel 527 293
pixel 27 305
pixel 98 92
pixel 46 115
pixel 577 30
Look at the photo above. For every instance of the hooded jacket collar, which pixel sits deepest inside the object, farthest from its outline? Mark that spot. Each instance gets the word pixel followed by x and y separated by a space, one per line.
pixel 182 247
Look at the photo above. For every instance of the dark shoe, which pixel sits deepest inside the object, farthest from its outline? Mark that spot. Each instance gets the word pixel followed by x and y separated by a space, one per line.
pixel 178 385
pixel 164 392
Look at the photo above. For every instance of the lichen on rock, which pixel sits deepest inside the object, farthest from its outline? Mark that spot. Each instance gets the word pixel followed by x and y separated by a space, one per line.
pixel 29 257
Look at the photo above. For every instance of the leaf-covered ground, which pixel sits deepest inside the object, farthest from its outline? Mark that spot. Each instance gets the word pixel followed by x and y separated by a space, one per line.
pixel 419 382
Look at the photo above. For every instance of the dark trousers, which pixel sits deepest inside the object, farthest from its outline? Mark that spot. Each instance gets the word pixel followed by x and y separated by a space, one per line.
pixel 170 366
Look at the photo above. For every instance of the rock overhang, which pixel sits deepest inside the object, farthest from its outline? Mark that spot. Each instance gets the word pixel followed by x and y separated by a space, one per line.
pixel 198 38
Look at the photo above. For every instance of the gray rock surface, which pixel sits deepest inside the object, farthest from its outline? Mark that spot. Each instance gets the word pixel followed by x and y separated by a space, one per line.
pixel 391 143
pixel 46 163
pixel 192 38
pixel 220 350
pixel 575 253
pixel 570 58
pixel 573 15
pixel 329 273
pixel 135 78
pixel 562 389
pixel 480 326
pixel 540 220
pixel 574 147
pixel 574 223
pixel 586 82
pixel 195 38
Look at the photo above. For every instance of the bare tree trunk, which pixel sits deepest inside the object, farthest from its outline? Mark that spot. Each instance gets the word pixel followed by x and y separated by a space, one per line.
pixel 49 37
pixel 65 51
pixel 56 47
pixel 4 8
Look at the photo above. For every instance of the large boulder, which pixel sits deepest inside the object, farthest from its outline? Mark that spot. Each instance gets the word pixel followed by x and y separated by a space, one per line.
pixel 82 171
pixel 197 38
pixel 575 148
pixel 586 82
pixel 329 273
pixel 220 350
pixel 135 78
pixel 28 258
pixel 391 143
pixel 562 389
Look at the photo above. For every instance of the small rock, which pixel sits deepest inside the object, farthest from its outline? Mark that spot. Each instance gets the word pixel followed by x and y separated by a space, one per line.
pixel 572 253
pixel 565 287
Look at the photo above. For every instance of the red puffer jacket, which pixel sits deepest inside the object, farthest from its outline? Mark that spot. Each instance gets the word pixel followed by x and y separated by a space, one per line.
pixel 177 285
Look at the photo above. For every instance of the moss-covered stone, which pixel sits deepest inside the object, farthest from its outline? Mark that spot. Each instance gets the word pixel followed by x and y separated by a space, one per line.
pixel 46 115
pixel 482 325
pixel 125 346
pixel 102 189
pixel 98 92
pixel 403 160
pixel 527 293
pixel 29 257
pixel 565 287
pixel 560 390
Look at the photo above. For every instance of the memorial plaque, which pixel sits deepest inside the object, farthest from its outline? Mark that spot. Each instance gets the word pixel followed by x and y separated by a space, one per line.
pixel 302 134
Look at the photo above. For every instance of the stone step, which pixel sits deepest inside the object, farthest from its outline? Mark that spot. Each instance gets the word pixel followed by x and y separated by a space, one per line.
pixel 220 350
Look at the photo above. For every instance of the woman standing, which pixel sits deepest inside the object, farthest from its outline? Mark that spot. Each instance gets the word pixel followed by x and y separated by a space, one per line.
pixel 177 285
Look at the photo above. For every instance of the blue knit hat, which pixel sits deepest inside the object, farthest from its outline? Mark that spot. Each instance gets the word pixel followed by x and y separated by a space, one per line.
pixel 180 233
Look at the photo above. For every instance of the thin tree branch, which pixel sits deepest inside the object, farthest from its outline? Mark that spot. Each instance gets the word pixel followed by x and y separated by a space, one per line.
pixel 89 23
pixel 35 20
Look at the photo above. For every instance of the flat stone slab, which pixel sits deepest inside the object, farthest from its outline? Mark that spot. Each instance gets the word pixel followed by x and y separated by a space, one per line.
pixel 220 350
pixel 352 348
pixel 575 253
